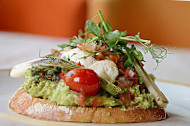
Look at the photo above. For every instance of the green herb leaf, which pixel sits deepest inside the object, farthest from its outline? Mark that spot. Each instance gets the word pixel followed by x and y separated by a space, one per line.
pixel 107 26
pixel 129 62
pixel 63 46
pixel 92 28
pixel 123 33
pixel 112 36
pixel 73 43
pixel 138 55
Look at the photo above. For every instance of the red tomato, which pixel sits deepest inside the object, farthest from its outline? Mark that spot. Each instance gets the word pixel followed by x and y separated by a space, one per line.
pixel 84 81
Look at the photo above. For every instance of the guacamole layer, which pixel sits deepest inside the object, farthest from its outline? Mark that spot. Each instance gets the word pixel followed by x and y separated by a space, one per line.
pixel 59 92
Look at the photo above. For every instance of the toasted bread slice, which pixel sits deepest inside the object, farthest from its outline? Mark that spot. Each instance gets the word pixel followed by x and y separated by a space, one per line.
pixel 23 103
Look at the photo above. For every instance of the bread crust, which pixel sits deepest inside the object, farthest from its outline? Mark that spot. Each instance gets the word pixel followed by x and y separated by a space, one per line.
pixel 23 103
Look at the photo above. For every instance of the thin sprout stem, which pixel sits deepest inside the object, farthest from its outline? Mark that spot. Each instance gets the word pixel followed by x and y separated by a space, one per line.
pixel 134 39
pixel 102 19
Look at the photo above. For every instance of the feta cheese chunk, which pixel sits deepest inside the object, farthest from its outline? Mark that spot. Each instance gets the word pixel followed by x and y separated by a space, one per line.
pixel 76 56
pixel 106 69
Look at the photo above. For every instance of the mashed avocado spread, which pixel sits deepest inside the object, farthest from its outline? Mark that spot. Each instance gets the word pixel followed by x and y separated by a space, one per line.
pixel 59 92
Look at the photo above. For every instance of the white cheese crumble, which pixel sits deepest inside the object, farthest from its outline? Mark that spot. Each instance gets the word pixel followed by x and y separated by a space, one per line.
pixel 106 69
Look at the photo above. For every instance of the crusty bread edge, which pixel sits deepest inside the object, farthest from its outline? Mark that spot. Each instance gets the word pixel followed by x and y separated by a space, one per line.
pixel 23 103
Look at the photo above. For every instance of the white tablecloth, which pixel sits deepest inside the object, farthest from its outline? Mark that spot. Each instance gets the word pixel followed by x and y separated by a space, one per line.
pixel 18 47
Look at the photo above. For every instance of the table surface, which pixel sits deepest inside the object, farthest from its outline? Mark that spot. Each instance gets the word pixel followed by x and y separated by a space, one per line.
pixel 19 47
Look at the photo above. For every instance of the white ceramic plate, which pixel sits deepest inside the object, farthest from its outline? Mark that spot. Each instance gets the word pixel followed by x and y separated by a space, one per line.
pixel 178 108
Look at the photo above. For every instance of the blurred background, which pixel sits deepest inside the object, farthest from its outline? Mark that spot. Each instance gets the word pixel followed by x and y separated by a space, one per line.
pixel 27 26
pixel 165 22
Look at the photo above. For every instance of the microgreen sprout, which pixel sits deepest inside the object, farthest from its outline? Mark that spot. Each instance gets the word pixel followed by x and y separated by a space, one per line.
pixel 116 41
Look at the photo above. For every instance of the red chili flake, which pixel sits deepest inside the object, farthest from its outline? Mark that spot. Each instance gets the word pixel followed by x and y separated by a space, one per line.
pixel 79 63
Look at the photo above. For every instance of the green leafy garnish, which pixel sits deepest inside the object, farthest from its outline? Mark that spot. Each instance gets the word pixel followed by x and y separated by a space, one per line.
pixel 91 27
pixel 116 42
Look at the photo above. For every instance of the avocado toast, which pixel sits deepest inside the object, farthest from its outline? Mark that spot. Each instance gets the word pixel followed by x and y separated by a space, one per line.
pixel 97 79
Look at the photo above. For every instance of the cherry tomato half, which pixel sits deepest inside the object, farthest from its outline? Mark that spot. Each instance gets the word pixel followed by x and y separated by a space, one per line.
pixel 84 81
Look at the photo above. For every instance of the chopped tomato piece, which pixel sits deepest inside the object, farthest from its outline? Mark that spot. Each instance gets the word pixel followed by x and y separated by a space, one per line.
pixel 120 65
pixel 100 56
pixel 135 80
pixel 114 58
pixel 106 53
pixel 56 52
pixel 103 46
pixel 127 73
pixel 48 55
pixel 84 48
pixel 96 102
pixel 62 75
pixel 58 55
pixel 43 76
pixel 123 84
pixel 125 98
pixel 79 63
pixel 134 73
pixel 53 50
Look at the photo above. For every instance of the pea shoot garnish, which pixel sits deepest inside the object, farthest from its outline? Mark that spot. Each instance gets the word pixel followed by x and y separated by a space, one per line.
pixel 116 41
